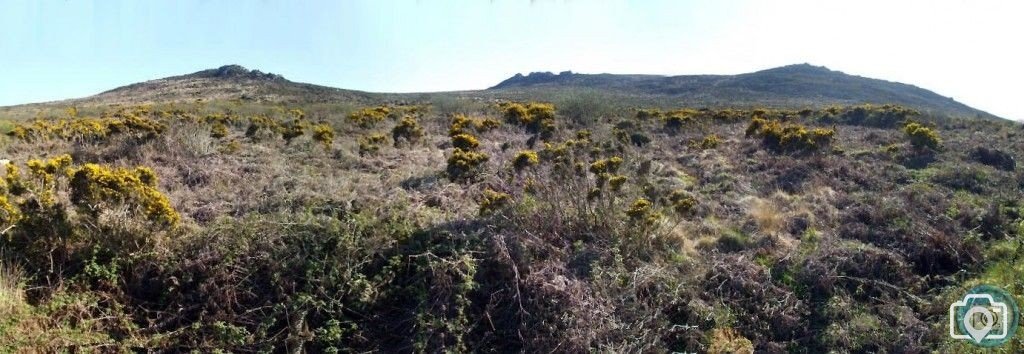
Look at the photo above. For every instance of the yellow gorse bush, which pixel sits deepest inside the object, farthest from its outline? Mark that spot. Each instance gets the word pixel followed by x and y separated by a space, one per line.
pixel 93 186
pixel 465 142
pixel 921 136
pixel 88 129
pixel 535 117
pixel 323 134
pixel 408 128
pixel 371 143
pixel 465 163
pixel 524 159
pixel 370 116
pixel 90 187
pixel 789 137
pixel 493 201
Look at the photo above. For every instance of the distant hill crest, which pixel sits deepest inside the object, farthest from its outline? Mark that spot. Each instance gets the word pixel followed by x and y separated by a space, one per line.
pixel 798 85
pixel 235 71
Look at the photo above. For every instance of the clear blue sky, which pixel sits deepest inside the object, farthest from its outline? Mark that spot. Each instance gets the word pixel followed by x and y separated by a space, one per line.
pixel 55 49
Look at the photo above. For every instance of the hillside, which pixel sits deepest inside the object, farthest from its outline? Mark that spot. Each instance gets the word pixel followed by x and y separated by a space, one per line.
pixel 800 85
pixel 229 82
pixel 794 86
pixel 276 216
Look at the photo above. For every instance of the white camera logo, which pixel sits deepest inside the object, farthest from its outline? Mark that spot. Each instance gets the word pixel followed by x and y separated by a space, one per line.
pixel 995 311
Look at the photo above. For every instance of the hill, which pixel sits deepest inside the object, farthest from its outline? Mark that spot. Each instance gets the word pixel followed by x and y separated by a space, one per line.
pixel 793 86
pixel 227 82
pixel 436 223
pixel 799 85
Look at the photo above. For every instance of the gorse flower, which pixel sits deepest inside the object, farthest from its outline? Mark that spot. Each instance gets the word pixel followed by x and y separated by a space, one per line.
pixel 921 136
pixel 493 201
pixel 463 164
pixel 524 159
pixel 465 142
pixel 93 186
pixel 408 129
pixel 324 134
pixel 369 117
pixel 371 143
pixel 535 117
pixel 610 165
pixel 790 137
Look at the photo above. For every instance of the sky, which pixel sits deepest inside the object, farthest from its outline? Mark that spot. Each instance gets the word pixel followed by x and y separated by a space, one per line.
pixel 57 49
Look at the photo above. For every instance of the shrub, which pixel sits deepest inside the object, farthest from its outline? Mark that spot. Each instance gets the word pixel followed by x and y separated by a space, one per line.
pixel 486 124
pixel 639 139
pixel 90 129
pixel 218 130
pixel 460 125
pixel 515 113
pixel 524 159
pixel 994 157
pixel 535 117
pixel 293 129
pixel 370 116
pixel 642 210
pixel 260 124
pixel 709 142
pixel 609 165
pixel 407 129
pixel 615 183
pixel 922 137
pixel 645 114
pixel 371 143
pixel 789 137
pixel 324 134
pixel 493 201
pixel 465 142
pixel 464 164
pixel 675 120
pixel 681 202
pixel 727 340
pixel 93 185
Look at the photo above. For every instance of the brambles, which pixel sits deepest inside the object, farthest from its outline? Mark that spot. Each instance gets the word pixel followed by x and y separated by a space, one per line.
pixel 408 129
pixel 371 143
pixel 369 117
pixel 922 137
pixel 524 159
pixel 324 134
pixel 60 215
pixel 493 201
pixel 789 137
